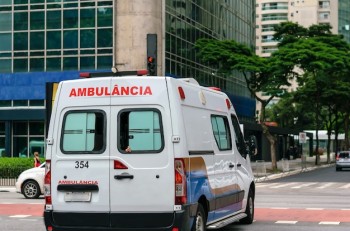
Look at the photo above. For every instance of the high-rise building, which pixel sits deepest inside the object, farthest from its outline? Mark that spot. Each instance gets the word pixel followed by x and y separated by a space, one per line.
pixel 344 19
pixel 53 40
pixel 304 12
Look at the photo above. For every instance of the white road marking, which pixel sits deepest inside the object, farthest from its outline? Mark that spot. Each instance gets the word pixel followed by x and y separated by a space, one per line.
pixel 314 209
pixel 345 186
pixel 325 186
pixel 20 216
pixel 286 222
pixel 283 185
pixel 304 185
pixel 263 185
pixel 329 223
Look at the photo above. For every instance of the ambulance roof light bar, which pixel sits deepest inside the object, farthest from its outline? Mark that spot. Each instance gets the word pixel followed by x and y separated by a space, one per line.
pixel 107 74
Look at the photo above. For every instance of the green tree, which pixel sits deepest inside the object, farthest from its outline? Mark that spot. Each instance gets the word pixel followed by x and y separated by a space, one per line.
pixel 261 75
pixel 322 58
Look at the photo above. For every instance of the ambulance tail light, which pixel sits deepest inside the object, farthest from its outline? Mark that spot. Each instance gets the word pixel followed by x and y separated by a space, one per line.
pixel 47 183
pixel 180 182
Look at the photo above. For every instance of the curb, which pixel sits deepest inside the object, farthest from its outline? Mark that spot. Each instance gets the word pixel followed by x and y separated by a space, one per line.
pixel 289 173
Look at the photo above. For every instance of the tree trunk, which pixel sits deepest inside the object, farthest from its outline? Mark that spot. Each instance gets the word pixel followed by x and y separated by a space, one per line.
pixel 272 140
pixel 329 134
pixel 346 128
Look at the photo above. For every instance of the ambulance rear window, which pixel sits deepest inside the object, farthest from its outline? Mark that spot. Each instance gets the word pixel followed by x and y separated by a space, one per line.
pixel 83 132
pixel 140 131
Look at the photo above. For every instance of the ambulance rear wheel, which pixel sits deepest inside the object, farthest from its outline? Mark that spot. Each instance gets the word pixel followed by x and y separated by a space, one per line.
pixel 249 209
pixel 200 221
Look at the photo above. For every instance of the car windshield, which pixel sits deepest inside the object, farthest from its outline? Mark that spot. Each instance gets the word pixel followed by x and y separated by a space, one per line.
pixel 344 155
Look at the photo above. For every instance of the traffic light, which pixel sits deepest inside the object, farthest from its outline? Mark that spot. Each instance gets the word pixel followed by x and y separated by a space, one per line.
pixel 151 65
pixel 152 54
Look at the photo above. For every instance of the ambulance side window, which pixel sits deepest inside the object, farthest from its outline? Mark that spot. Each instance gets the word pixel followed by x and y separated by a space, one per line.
pixel 221 130
pixel 83 132
pixel 140 130
pixel 240 143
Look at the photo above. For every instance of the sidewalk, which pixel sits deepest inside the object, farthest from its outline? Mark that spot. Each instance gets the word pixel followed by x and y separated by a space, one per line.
pixel 263 170
pixel 7 189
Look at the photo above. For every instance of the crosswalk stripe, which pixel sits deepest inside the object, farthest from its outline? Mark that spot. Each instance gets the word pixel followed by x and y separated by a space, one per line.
pixel 325 185
pixel 283 185
pixel 345 186
pixel 298 185
pixel 304 185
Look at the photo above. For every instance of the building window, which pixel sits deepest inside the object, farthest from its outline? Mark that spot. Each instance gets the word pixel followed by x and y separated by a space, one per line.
pixel 2 140
pixel 54 36
pixel 28 137
pixel 323 16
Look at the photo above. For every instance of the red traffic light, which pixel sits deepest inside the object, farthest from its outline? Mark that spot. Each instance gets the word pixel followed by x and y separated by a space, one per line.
pixel 150 59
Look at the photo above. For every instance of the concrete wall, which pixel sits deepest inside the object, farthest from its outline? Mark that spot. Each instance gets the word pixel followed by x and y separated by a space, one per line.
pixel 133 21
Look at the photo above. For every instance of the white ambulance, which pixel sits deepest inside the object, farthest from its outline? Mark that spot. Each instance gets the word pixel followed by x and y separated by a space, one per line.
pixel 145 153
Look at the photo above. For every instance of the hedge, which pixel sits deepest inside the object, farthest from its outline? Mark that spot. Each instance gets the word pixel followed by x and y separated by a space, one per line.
pixel 13 167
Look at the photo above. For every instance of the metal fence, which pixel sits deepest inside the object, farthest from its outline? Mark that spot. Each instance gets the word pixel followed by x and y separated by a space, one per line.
pixel 9 175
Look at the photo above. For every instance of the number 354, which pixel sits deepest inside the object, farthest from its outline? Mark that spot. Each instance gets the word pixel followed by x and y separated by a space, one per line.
pixel 82 164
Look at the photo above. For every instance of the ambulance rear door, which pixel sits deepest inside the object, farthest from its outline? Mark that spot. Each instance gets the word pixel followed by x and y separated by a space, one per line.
pixel 142 170
pixel 80 160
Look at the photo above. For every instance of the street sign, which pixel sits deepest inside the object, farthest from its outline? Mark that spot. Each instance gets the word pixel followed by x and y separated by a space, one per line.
pixel 302 137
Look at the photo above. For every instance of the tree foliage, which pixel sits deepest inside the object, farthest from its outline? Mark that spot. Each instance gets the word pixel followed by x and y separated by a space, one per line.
pixel 313 56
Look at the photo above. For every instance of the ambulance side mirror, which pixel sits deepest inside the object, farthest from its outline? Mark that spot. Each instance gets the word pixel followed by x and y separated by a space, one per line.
pixel 252 145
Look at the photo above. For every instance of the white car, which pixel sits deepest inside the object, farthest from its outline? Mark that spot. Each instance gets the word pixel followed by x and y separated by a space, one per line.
pixel 31 182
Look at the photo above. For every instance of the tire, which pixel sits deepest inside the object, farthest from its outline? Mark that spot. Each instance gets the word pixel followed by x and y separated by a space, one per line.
pixel 200 221
pixel 249 210
pixel 31 189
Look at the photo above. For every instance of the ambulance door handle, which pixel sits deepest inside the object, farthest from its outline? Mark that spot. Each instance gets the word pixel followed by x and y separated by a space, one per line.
pixel 231 165
pixel 123 176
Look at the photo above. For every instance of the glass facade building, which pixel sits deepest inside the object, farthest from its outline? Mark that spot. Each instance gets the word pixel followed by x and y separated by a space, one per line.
pixel 344 19
pixel 53 40
pixel 189 20
pixel 45 41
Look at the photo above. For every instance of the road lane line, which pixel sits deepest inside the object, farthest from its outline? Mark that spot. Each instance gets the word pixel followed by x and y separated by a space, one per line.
pixel 20 216
pixel 315 209
pixel 286 222
pixel 329 223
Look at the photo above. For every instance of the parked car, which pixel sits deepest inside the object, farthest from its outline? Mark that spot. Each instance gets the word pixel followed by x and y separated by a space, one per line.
pixel 31 182
pixel 342 160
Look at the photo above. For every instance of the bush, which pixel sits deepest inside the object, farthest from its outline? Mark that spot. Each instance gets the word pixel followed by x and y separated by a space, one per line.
pixel 13 167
